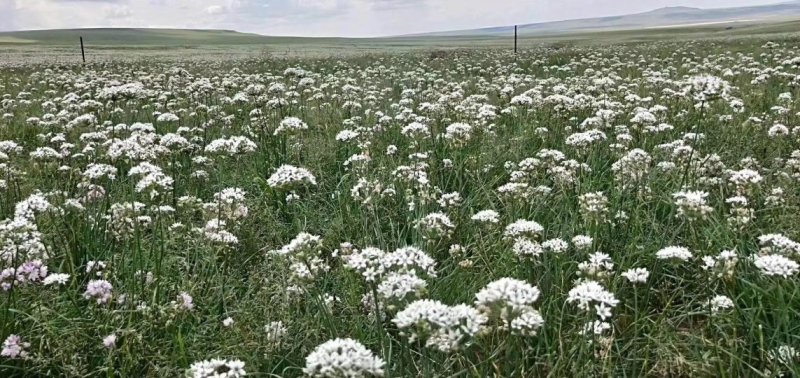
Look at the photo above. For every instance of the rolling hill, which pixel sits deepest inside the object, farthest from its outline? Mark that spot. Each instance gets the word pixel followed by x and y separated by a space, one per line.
pixel 131 36
pixel 659 18
pixel 699 21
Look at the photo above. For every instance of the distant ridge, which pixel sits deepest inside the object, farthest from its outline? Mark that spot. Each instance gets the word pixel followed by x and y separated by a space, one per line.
pixel 667 17
pixel 658 18
pixel 131 36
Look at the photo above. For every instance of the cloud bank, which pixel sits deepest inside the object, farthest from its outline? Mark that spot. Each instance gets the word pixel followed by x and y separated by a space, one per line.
pixel 351 18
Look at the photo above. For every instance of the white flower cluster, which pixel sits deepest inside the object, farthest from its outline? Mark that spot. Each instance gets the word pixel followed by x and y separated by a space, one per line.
pixel 522 228
pixel 594 207
pixel 445 328
pixel 228 204
pixel 233 146
pixel 290 125
pixel 304 254
pixel 215 231
pixel 487 216
pixel 152 179
pixel 20 239
pixel 636 275
pixel 416 131
pixel 692 205
pixel 458 134
pixel 588 295
pixel 276 332
pixel 289 176
pixel 95 171
pixel 435 226
pixel 126 218
pixel 216 368
pixel 527 249
pixel 720 303
pixel 508 304
pixel 674 252
pixel 776 265
pixel 744 180
pixel 397 287
pixel 409 258
pixel 779 244
pixel 723 265
pixel 783 355
pixel 706 88
pixel 599 266
pixel 739 214
pixel 343 358
pixel 585 139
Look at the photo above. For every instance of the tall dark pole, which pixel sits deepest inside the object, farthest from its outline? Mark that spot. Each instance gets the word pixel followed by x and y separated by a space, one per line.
pixel 83 54
pixel 515 39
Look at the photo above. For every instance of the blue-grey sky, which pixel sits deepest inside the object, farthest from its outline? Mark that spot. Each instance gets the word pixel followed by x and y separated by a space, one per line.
pixel 357 18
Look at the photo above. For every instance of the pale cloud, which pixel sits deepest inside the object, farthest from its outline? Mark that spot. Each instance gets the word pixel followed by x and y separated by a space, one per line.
pixel 321 17
pixel 215 9
pixel 118 11
pixel 397 4
pixel 323 5
pixel 88 1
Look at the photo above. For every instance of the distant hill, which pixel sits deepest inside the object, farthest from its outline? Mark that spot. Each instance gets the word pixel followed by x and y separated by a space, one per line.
pixel 659 18
pixel 130 36
pixel 640 23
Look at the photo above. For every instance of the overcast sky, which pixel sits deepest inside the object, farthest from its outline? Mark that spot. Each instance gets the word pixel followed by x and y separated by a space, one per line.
pixel 357 18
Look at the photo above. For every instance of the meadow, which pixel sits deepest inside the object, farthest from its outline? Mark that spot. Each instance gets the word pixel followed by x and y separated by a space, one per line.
pixel 610 209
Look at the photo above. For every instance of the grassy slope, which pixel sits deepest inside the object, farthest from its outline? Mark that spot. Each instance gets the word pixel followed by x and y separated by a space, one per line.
pixel 611 36
pixel 659 17
pixel 125 36
pixel 220 41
